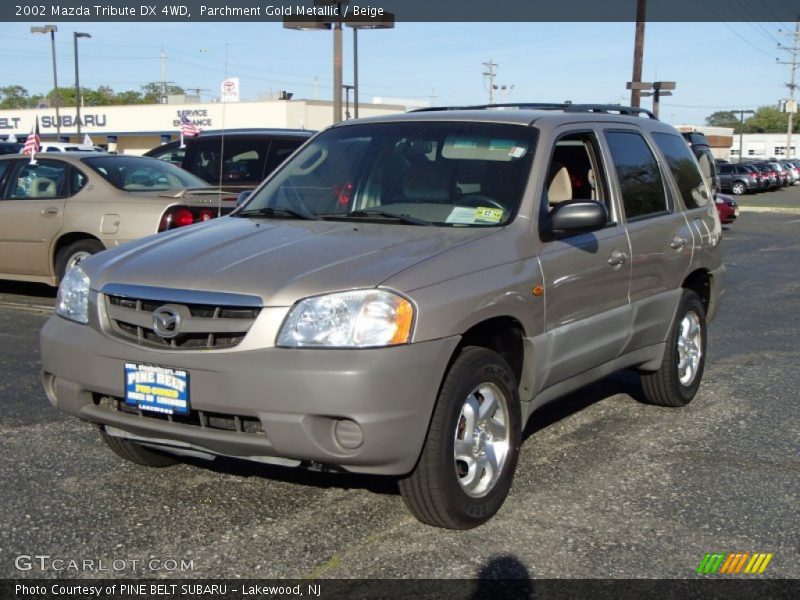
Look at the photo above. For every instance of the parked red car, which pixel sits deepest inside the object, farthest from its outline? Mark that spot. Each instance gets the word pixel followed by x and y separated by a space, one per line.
pixel 727 208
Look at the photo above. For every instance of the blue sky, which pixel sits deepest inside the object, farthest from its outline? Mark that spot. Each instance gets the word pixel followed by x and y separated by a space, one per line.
pixel 716 66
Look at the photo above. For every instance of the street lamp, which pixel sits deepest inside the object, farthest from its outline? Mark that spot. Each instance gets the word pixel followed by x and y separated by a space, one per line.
pixel 742 113
pixel 385 22
pixel 75 36
pixel 660 88
pixel 51 29
pixel 315 24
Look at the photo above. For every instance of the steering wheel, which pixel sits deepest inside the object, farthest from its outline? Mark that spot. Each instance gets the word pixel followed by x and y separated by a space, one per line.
pixel 478 200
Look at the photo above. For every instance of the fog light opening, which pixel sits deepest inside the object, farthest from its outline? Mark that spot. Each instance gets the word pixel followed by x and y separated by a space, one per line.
pixel 348 434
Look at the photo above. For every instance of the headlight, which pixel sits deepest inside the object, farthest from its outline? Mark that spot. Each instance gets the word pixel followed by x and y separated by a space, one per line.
pixel 357 319
pixel 72 301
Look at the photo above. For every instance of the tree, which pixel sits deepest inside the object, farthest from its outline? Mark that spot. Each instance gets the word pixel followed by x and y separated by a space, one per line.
pixel 129 97
pixel 768 119
pixel 723 118
pixel 152 92
pixel 14 96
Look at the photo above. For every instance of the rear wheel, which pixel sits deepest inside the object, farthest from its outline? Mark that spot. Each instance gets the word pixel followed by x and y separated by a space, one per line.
pixel 467 464
pixel 676 382
pixel 738 188
pixel 136 453
pixel 74 253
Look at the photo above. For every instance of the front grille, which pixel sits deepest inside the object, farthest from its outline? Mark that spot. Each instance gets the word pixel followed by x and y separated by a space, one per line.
pixel 203 326
pixel 196 418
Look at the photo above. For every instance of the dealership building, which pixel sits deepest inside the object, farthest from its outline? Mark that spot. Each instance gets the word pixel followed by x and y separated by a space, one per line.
pixel 135 129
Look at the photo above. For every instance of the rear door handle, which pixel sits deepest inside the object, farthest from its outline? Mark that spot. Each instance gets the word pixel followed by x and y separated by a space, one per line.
pixel 617 258
pixel 678 242
pixel 50 211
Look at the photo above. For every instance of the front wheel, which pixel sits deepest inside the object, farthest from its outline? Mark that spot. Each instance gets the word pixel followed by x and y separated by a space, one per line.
pixel 738 188
pixel 676 381
pixel 467 464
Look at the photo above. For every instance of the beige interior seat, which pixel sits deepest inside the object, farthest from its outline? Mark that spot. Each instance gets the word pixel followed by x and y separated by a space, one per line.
pixel 559 188
pixel 42 187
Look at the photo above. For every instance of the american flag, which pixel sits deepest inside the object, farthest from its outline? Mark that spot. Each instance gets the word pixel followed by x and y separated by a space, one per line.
pixel 188 129
pixel 33 143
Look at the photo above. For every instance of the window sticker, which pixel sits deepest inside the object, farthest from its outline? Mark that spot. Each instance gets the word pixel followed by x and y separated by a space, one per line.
pixel 486 214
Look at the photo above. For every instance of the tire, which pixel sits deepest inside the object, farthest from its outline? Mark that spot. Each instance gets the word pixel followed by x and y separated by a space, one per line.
pixel 459 491
pixel 738 188
pixel 677 381
pixel 75 252
pixel 136 453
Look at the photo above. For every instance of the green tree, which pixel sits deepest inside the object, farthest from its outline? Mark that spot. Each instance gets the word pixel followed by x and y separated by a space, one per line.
pixel 129 97
pixel 151 92
pixel 14 96
pixel 723 118
pixel 768 119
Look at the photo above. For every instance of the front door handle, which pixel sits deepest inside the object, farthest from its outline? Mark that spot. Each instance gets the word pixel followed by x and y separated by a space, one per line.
pixel 50 211
pixel 617 258
pixel 678 242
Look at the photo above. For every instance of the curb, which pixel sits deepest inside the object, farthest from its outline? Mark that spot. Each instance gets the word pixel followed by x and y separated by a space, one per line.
pixel 790 210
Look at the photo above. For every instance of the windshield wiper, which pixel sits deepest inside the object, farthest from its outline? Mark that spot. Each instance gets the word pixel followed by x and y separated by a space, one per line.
pixel 374 212
pixel 269 211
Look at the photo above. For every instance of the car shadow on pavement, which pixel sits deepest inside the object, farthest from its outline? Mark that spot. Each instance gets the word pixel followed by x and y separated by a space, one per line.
pixel 24 288
pixel 622 382
pixel 377 484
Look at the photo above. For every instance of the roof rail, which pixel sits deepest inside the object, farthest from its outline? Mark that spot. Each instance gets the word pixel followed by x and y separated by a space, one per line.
pixel 566 107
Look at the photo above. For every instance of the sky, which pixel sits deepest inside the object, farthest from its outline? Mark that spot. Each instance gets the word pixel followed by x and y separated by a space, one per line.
pixel 717 66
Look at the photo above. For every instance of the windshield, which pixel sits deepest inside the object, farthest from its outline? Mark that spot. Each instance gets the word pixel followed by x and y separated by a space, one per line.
pixel 137 173
pixel 447 174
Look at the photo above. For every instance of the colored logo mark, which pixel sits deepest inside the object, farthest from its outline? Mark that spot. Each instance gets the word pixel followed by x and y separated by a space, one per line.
pixel 734 563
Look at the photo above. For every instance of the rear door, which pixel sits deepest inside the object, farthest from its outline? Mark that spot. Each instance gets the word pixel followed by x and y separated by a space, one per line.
pixel 660 236
pixel 31 214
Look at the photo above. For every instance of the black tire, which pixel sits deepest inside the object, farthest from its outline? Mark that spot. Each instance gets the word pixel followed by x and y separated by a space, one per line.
pixel 73 252
pixel 738 188
pixel 136 453
pixel 435 490
pixel 665 386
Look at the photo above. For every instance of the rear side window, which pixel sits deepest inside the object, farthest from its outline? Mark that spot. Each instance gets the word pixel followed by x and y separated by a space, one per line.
pixel 638 174
pixel 684 169
pixel 45 179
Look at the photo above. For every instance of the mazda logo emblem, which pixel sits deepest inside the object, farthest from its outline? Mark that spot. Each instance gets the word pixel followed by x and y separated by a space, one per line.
pixel 166 322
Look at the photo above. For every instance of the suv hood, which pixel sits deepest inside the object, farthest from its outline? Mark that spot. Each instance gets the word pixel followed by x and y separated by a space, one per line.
pixel 279 261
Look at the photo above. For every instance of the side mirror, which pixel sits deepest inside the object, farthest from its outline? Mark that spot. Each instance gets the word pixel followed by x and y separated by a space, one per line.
pixel 578 216
pixel 242 197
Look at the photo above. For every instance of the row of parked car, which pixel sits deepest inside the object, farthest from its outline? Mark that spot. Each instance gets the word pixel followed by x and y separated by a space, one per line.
pixel 744 178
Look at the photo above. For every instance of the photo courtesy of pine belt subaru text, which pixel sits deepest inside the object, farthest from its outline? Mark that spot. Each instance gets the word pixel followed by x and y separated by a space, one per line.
pixel 399 297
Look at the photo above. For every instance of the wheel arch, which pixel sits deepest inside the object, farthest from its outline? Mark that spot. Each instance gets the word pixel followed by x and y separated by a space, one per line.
pixel 699 281
pixel 67 239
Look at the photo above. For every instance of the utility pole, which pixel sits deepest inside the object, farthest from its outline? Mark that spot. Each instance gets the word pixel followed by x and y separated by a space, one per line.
pixel 638 54
pixel 163 77
pixel 490 74
pixel 742 112
pixel 791 105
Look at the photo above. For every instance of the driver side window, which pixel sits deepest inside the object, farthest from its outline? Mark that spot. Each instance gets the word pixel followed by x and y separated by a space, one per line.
pixel 575 173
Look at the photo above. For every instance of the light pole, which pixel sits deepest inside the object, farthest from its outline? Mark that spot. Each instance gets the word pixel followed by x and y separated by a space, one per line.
pixel 51 29
pixel 385 22
pixel 742 113
pixel 75 36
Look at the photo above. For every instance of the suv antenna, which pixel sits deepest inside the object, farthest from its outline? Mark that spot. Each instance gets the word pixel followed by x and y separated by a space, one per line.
pixel 222 141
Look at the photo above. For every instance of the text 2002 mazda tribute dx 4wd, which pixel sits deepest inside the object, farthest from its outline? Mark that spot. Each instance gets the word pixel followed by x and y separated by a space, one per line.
pixel 399 297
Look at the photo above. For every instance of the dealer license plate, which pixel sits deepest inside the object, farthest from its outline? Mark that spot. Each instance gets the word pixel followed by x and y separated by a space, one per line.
pixel 157 389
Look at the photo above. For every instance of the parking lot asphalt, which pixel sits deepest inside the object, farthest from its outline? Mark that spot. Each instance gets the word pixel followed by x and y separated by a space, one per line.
pixel 782 200
pixel 606 487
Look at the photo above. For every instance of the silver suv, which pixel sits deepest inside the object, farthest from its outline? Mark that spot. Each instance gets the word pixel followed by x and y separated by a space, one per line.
pixel 400 297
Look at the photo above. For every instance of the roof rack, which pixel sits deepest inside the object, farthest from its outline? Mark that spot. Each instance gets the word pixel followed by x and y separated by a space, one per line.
pixel 566 107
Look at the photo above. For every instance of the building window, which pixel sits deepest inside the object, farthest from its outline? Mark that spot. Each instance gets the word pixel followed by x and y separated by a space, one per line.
pixel 751 153
pixel 734 152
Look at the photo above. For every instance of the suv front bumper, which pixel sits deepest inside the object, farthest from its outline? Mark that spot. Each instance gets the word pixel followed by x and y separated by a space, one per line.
pixel 364 410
